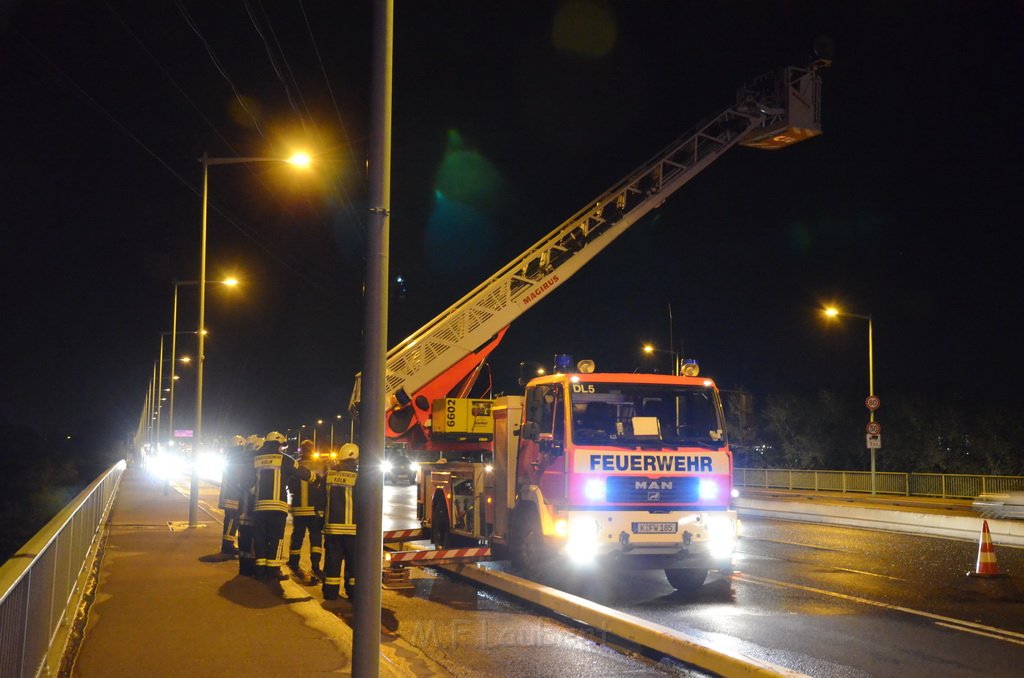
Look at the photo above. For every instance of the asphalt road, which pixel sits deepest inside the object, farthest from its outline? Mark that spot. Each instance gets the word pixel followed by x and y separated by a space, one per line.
pixel 833 601
pixel 819 599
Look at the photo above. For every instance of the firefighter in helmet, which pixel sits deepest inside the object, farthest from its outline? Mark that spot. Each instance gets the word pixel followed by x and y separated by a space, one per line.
pixel 246 502
pixel 340 524
pixel 273 469
pixel 229 495
pixel 308 500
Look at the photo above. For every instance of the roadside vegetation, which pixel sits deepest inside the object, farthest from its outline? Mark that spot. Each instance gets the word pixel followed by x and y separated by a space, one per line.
pixel 41 476
pixel 826 431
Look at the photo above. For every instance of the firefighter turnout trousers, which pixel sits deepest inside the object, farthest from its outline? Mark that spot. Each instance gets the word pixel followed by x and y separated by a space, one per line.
pixel 341 550
pixel 300 526
pixel 267 533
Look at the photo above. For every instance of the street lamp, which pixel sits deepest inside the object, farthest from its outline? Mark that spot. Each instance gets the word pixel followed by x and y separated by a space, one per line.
pixel 298 160
pixel 872 402
pixel 649 349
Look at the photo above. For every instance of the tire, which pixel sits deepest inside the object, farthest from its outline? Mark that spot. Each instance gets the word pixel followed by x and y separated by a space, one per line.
pixel 526 540
pixel 440 527
pixel 687 581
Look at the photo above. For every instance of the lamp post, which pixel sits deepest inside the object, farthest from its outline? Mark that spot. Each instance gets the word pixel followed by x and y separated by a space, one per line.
pixel 872 400
pixel 299 160
pixel 338 418
pixel 230 282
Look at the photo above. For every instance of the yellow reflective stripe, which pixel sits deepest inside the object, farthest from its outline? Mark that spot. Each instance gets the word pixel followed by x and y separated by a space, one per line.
pixel 272 505
pixel 333 580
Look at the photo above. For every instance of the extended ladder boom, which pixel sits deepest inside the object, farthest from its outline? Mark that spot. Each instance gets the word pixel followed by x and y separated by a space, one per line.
pixel 773 111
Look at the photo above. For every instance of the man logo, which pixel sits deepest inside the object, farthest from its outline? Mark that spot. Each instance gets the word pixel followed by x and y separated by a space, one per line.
pixel 652 484
pixel 654 496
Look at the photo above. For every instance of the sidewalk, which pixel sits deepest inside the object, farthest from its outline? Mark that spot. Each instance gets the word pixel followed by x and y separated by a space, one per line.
pixel 160 610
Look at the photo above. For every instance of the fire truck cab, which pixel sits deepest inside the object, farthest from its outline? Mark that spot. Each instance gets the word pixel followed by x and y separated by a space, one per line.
pixel 630 470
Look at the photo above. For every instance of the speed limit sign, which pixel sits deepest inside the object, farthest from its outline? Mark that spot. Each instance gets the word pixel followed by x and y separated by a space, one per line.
pixel 874 428
pixel 873 403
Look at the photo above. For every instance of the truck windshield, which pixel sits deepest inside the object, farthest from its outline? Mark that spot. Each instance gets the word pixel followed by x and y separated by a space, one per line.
pixel 646 414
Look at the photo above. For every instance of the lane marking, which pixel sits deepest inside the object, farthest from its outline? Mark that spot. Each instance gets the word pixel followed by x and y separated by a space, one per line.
pixel 796 543
pixel 957 627
pixel 942 620
pixel 804 562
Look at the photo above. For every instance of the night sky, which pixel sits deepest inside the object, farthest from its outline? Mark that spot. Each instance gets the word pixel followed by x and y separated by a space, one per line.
pixel 508 117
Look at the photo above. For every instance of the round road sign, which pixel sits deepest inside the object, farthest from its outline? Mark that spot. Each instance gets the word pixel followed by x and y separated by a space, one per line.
pixel 873 403
pixel 874 428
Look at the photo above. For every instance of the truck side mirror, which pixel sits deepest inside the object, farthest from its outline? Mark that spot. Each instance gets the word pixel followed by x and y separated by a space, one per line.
pixel 530 431
pixel 552 447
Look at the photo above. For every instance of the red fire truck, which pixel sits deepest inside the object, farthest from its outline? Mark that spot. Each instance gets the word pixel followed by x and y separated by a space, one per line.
pixel 630 469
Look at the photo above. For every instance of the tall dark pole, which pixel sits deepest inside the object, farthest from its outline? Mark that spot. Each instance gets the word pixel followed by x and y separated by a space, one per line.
pixel 174 358
pixel 370 488
pixel 197 434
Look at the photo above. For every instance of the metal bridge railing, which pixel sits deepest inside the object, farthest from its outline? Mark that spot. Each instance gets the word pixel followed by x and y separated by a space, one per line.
pixel 39 584
pixel 944 485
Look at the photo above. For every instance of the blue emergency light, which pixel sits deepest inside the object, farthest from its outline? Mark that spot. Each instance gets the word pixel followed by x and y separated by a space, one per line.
pixel 563 363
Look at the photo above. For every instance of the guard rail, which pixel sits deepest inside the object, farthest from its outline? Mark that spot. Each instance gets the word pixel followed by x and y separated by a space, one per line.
pixel 943 485
pixel 41 584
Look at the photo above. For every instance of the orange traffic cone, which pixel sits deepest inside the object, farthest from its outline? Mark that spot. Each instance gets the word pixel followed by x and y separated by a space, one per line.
pixel 986 566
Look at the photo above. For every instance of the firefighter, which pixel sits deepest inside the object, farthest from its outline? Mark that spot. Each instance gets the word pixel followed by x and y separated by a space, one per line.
pixel 273 469
pixel 308 500
pixel 229 492
pixel 246 502
pixel 340 524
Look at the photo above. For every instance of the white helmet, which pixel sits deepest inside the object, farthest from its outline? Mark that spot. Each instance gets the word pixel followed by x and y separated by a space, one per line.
pixel 276 437
pixel 238 441
pixel 348 451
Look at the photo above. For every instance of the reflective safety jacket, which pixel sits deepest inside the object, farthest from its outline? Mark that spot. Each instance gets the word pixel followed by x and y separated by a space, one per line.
pixel 308 498
pixel 273 469
pixel 340 515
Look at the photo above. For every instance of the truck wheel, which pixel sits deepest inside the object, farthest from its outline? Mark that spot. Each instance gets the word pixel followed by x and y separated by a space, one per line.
pixel 688 581
pixel 440 532
pixel 526 541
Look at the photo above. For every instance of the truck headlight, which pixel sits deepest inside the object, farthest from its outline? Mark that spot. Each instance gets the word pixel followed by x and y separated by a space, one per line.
pixel 721 536
pixel 582 545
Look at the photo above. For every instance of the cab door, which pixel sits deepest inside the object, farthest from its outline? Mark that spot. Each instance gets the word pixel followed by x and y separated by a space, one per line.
pixel 542 447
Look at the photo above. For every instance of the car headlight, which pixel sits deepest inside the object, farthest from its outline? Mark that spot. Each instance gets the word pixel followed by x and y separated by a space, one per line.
pixel 385 466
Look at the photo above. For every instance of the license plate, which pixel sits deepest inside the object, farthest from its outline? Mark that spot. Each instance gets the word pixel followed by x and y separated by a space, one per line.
pixel 655 528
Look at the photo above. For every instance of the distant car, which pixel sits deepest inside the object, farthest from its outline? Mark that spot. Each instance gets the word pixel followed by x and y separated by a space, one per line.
pixel 1000 505
pixel 399 469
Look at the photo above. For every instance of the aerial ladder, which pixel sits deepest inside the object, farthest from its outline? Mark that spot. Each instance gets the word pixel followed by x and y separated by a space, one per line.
pixel 445 356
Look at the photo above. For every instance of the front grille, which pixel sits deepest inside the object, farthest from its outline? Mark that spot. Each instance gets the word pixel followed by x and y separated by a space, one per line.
pixel 641 490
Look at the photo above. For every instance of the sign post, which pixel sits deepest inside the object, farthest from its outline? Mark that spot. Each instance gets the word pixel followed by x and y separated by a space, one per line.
pixel 874 439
